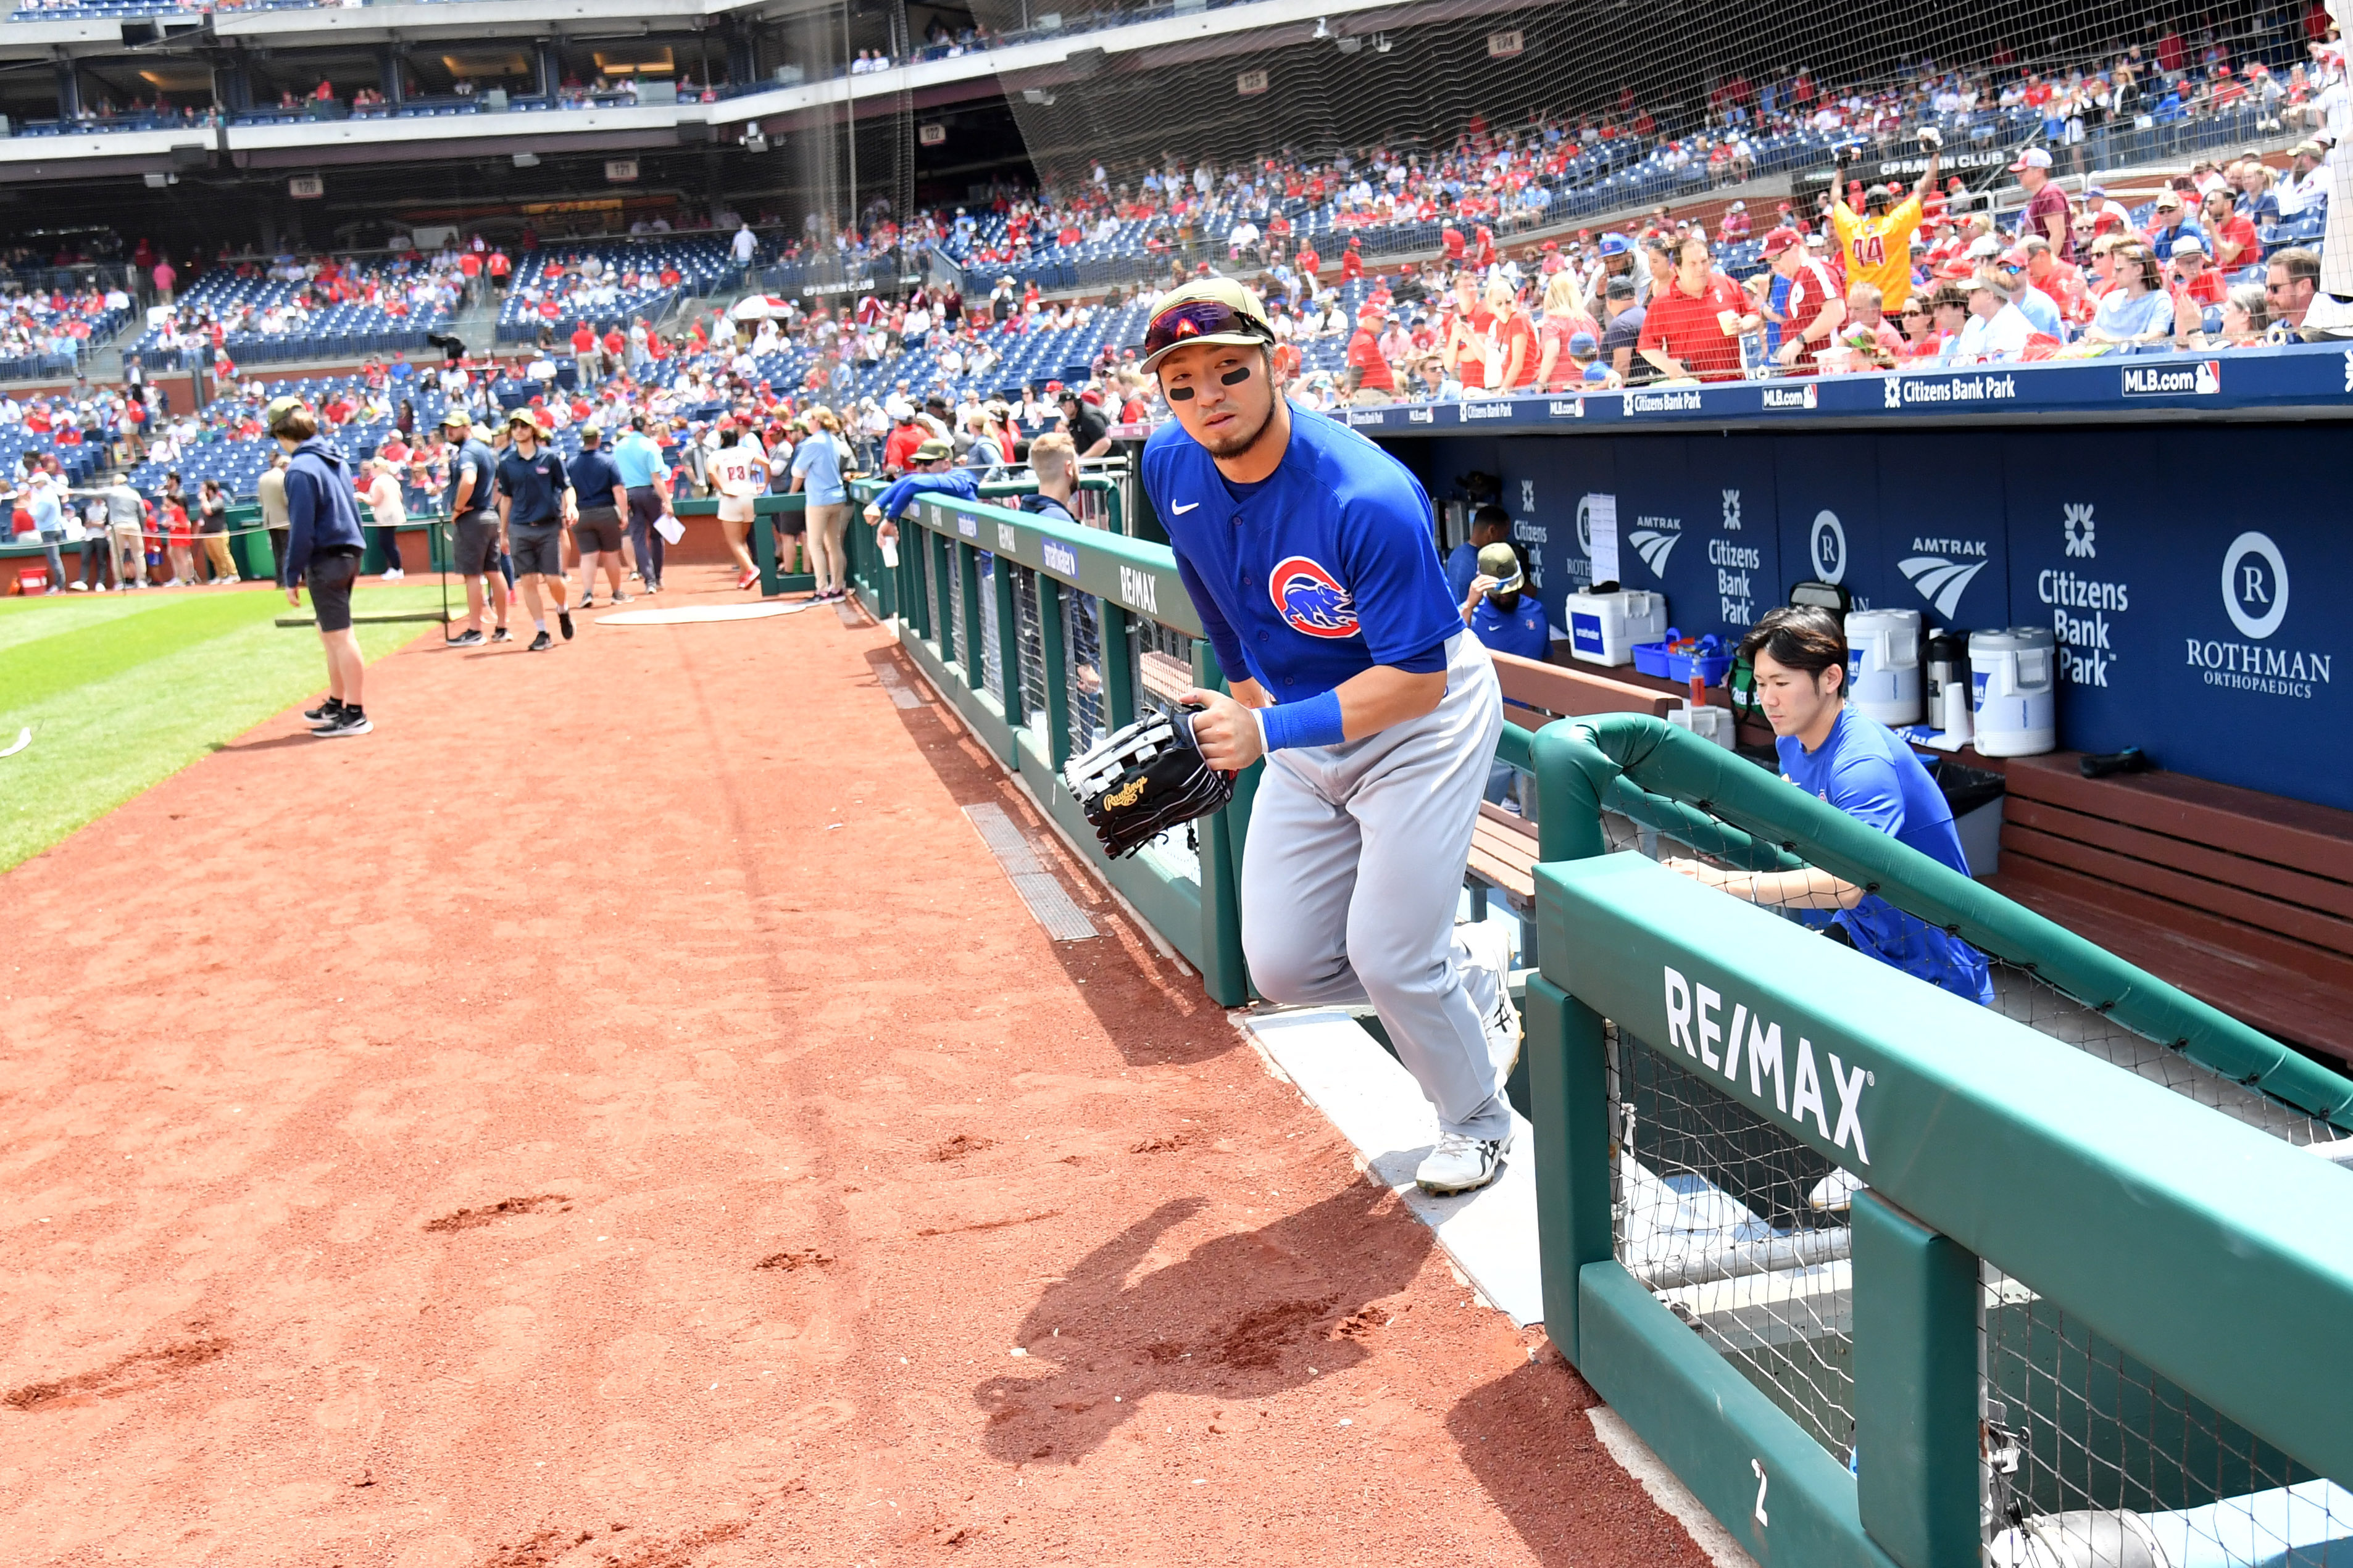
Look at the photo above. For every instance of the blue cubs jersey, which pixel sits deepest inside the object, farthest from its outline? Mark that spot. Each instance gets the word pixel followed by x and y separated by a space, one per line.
pixel 1318 572
pixel 1523 629
pixel 1866 770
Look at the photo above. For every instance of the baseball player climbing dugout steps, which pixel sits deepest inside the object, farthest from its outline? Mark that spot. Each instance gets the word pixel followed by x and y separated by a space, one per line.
pixel 1311 556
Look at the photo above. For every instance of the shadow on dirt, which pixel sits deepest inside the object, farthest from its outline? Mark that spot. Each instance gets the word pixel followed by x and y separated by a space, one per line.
pixel 1242 1315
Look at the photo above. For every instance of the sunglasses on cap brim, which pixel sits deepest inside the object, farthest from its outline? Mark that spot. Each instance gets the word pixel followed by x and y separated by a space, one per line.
pixel 1197 318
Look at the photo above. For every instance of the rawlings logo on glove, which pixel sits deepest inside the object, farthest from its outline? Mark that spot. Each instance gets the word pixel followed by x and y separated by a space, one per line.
pixel 1141 780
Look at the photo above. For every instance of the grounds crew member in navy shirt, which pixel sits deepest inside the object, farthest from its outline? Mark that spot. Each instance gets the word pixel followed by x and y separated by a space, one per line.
pixel 534 503
pixel 1311 556
pixel 474 527
pixel 1502 615
pixel 323 548
pixel 604 503
pixel 1861 767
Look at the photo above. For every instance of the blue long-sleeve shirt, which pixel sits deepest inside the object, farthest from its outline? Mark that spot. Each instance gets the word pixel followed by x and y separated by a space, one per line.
pixel 895 501
pixel 322 510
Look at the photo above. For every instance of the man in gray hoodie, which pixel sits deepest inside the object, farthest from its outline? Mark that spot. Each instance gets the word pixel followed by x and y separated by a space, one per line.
pixel 323 549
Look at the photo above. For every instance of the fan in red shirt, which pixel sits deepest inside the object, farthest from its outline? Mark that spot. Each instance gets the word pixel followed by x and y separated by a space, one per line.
pixel 2191 276
pixel 1369 371
pixel 1308 262
pixel 2231 233
pixel 2062 282
pixel 1683 332
pixel 1517 353
pixel 1352 262
pixel 1814 309
pixel 1451 237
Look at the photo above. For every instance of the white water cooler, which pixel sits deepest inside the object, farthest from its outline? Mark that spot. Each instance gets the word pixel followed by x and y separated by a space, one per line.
pixel 2013 677
pixel 1604 627
pixel 1882 665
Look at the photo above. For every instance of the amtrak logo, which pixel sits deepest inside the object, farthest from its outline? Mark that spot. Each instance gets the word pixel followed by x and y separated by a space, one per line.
pixel 1732 511
pixel 1892 391
pixel 2078 528
pixel 1311 600
pixel 1941 582
pixel 1654 547
pixel 1828 548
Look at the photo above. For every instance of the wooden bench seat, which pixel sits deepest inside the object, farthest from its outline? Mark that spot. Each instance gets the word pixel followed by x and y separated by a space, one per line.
pixel 1504 856
pixel 1503 846
pixel 2244 899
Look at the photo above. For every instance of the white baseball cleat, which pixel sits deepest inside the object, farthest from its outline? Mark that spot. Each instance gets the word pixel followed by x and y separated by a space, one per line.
pixel 1489 947
pixel 1461 1163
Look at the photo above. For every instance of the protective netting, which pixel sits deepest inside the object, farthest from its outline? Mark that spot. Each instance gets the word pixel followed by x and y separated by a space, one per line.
pixel 1029 642
pixel 1413 80
pixel 992 639
pixel 953 632
pixel 2091 1454
pixel 1082 639
pixel 1742 1232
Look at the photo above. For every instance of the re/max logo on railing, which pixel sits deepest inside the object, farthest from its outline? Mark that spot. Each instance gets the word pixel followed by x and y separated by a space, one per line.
pixel 1693 1024
pixel 1139 590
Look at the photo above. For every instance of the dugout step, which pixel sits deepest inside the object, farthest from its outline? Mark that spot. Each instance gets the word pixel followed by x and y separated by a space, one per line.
pixel 1345 1073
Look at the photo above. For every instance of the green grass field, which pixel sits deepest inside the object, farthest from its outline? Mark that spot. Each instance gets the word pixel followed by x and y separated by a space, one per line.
pixel 121 691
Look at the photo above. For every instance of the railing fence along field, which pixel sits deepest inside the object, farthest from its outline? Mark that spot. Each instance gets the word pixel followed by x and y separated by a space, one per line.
pixel 1883 1275
pixel 1830 1235
pixel 1046 636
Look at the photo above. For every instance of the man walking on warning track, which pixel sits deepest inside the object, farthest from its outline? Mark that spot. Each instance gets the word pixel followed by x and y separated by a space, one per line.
pixel 535 502
pixel 1307 552
pixel 474 524
pixel 604 503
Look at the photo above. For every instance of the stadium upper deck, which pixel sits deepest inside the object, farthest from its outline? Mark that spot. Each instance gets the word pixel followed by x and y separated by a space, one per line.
pixel 141 86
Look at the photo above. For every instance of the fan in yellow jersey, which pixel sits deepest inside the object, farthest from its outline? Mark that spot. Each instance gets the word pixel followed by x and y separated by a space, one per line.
pixel 1878 243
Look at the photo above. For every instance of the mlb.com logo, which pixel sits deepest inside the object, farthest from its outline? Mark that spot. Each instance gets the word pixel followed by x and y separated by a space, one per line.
pixel 2203 379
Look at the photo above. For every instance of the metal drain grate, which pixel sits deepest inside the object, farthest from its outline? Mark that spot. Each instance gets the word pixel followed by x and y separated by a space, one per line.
pixel 1038 887
pixel 900 691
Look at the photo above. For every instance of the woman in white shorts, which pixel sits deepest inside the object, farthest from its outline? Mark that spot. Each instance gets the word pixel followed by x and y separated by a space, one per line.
pixel 739 472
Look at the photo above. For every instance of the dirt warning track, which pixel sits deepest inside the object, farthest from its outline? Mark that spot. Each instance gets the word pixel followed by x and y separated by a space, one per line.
pixel 620 1113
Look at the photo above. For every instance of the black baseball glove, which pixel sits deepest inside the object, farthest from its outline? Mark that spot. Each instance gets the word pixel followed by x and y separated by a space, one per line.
pixel 1142 781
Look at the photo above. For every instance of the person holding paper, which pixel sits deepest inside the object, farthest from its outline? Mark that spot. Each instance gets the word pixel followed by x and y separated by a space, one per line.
pixel 646 482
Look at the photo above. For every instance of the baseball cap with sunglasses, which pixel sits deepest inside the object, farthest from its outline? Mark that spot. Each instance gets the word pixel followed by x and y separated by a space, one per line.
pixel 1211 310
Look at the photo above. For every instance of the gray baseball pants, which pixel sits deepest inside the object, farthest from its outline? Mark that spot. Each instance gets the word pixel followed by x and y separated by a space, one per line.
pixel 1352 875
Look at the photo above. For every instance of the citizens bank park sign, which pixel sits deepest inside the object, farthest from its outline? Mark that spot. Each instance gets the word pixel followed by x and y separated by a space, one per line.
pixel 2302 379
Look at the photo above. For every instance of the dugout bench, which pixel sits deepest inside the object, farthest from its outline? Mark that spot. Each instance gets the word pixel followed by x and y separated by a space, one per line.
pixel 2242 900
pixel 1503 846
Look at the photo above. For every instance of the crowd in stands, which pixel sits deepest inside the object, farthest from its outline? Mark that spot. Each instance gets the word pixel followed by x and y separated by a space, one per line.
pixel 1867 276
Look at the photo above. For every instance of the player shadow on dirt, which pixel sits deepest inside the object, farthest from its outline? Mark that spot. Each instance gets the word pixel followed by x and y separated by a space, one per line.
pixel 1154 1015
pixel 1242 1315
pixel 1527 1439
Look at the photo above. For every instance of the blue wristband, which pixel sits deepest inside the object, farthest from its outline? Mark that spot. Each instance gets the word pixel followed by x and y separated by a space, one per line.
pixel 1314 723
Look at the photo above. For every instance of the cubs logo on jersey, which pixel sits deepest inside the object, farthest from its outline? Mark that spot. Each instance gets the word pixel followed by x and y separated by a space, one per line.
pixel 1311 600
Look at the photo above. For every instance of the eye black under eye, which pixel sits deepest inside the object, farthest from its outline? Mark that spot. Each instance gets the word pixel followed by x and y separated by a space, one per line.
pixel 1236 376
pixel 1179 394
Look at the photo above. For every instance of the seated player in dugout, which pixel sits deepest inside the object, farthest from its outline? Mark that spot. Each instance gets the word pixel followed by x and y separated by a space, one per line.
pixel 1864 769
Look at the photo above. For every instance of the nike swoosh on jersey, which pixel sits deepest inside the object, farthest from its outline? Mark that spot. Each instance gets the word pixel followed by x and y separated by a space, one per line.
pixel 1181 511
